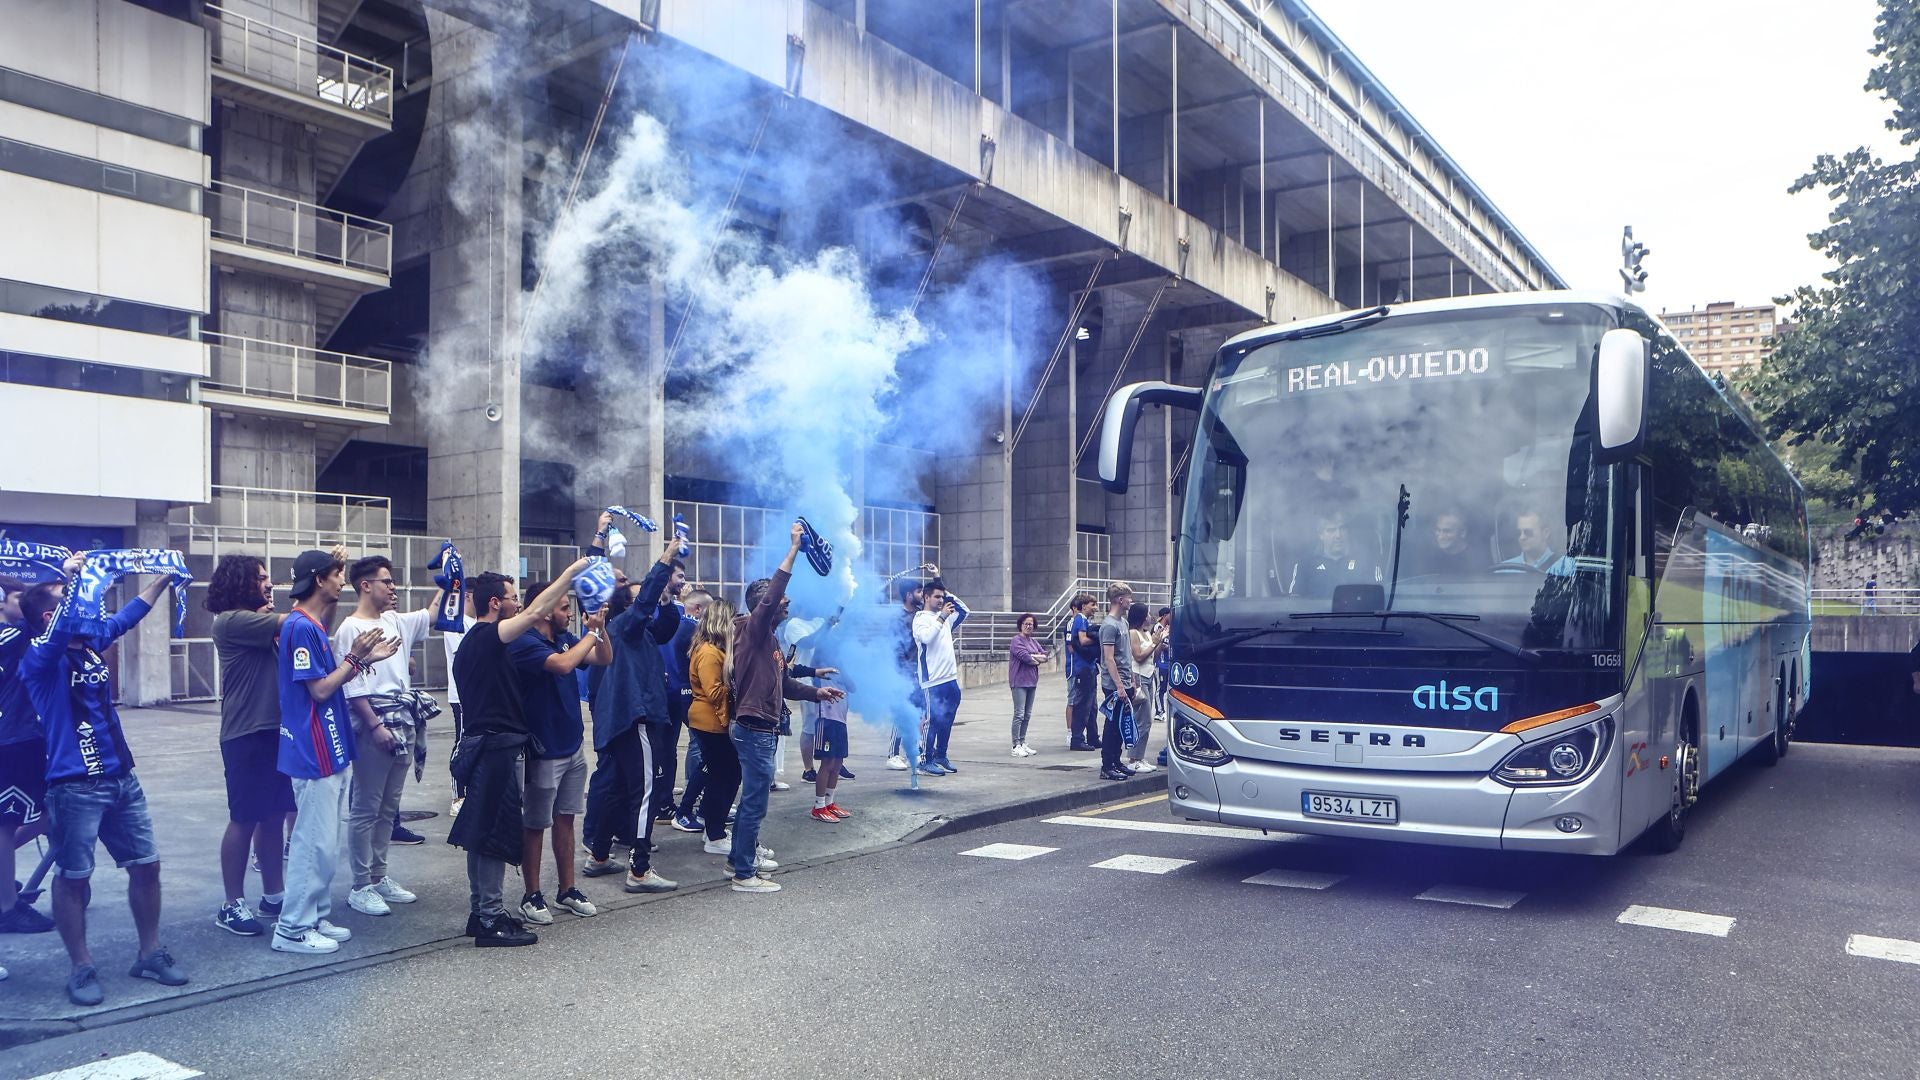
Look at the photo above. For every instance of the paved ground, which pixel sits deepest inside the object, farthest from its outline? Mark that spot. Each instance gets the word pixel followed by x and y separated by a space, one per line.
pixel 1124 943
pixel 179 766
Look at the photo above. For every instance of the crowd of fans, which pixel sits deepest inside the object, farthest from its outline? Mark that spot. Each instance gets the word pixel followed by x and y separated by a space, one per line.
pixel 321 726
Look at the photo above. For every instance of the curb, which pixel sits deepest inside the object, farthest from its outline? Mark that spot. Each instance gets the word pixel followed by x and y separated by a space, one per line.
pixel 22 1032
pixel 1107 791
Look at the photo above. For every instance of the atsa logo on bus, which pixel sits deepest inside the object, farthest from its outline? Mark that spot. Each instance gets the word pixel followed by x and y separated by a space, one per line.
pixel 1456 698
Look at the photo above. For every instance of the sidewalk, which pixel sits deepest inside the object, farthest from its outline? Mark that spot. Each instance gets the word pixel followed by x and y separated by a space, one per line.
pixel 178 763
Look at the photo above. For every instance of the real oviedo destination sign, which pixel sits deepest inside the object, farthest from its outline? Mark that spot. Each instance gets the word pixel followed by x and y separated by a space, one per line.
pixel 1388 369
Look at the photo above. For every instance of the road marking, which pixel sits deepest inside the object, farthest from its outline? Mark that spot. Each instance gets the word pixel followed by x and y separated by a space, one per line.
pixel 1143 864
pixel 1015 852
pixel 1175 827
pixel 1162 797
pixel 140 1066
pixel 1691 922
pixel 1472 895
pixel 1296 879
pixel 1883 948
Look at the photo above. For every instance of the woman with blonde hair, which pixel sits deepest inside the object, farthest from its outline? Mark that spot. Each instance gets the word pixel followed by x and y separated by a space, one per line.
pixel 710 674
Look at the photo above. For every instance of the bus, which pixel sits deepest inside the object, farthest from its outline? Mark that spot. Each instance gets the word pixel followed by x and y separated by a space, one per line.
pixel 1503 571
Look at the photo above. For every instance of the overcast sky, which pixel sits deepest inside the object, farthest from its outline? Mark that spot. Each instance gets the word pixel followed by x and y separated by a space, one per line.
pixel 1687 119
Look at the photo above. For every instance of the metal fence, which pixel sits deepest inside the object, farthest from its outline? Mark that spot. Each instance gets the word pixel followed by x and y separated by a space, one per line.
pixel 730 542
pixel 1857 601
pixel 261 219
pixel 986 634
pixel 270 369
pixel 262 51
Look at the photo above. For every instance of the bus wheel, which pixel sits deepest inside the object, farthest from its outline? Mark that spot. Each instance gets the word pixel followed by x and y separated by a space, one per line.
pixel 1776 747
pixel 1672 829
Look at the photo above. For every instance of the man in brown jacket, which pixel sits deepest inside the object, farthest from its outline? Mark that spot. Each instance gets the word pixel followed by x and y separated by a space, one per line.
pixel 760 681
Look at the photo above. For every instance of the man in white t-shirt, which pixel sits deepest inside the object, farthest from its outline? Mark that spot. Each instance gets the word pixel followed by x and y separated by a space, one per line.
pixel 389 716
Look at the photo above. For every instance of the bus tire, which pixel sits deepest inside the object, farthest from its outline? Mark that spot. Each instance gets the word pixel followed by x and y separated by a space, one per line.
pixel 1668 833
pixel 1775 748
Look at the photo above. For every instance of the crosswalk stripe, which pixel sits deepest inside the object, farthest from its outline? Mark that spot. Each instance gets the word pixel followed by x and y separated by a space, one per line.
pixel 1176 828
pixel 1883 948
pixel 1296 879
pixel 1472 895
pixel 1691 922
pixel 137 1066
pixel 1014 852
pixel 1143 864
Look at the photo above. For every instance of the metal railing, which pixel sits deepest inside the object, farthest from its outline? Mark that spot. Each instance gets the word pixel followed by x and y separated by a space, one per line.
pixel 261 219
pixel 270 369
pixel 277 519
pixel 1228 31
pixel 286 59
pixel 988 633
pixel 1856 601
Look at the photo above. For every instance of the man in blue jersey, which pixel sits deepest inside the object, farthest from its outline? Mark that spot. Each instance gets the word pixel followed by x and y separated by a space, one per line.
pixel 316 748
pixel 23 765
pixel 92 794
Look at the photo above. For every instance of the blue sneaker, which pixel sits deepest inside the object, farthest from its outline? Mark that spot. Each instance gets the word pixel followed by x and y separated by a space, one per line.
pixel 932 768
pixel 689 823
pixel 947 765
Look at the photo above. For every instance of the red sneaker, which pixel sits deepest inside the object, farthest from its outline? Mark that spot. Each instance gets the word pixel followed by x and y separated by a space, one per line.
pixel 826 814
pixel 836 809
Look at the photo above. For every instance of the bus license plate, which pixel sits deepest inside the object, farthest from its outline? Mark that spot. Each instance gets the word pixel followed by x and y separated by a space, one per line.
pixel 1323 804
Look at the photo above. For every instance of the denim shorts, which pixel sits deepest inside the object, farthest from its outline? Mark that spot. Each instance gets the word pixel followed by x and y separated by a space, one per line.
pixel 110 810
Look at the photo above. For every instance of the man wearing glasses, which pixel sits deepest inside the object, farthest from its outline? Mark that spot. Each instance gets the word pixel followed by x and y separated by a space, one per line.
pixel 1536 550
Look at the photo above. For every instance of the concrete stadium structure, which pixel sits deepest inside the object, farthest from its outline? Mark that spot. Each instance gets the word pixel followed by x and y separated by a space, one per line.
pixel 234 230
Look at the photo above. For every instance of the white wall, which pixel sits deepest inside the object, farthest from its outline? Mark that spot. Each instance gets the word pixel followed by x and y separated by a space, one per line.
pixel 110 48
pixel 74 239
pixel 99 345
pixel 71 443
pixel 82 139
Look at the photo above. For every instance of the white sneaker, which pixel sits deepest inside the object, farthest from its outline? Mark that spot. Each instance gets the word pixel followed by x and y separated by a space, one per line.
pixel 327 929
pixel 1016 753
pixel 1030 751
pixel 781 785
pixel 533 909
pixel 724 846
pixel 756 883
pixel 576 901
pixel 765 862
pixel 454 811
pixel 649 882
pixel 393 892
pixel 898 763
pixel 1144 767
pixel 312 943
pixel 367 901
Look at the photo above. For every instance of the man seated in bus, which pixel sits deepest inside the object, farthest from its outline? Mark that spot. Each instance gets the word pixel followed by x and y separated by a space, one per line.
pixel 1333 562
pixel 1447 551
pixel 1536 549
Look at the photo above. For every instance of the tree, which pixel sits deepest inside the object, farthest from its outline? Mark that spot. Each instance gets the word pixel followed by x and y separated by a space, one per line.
pixel 1846 373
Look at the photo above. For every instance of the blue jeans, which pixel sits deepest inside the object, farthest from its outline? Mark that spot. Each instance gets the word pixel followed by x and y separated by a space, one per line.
pixel 696 777
pixel 943 703
pixel 756 781
pixel 111 810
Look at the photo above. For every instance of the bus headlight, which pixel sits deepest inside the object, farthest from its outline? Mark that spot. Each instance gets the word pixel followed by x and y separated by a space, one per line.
pixel 1567 758
pixel 1191 742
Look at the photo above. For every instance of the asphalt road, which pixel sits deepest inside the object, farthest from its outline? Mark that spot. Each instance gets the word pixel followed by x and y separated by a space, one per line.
pixel 1350 960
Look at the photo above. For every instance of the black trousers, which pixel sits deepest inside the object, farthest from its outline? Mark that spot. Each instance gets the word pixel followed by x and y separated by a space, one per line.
pixel 723 780
pixel 1110 741
pixel 666 752
pixel 617 808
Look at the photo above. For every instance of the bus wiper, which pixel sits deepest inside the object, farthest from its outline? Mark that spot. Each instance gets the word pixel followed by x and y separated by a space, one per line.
pixel 1239 636
pixel 1351 322
pixel 1449 619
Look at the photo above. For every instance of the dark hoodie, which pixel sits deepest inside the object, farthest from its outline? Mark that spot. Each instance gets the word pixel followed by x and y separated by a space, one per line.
pixel 760 678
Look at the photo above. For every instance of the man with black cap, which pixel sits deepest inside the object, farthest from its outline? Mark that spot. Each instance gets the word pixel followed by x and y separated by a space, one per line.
pixel 494 745
pixel 316 748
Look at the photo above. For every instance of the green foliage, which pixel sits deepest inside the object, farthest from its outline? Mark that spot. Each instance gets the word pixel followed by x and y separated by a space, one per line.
pixel 1846 374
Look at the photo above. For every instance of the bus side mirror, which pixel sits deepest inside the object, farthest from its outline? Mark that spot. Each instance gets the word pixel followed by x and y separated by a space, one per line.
pixel 1620 390
pixel 1122 413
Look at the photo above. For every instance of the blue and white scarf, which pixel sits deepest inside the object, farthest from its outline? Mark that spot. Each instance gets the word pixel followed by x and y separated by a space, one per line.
pixel 680 533
pixel 32 563
pixel 646 523
pixel 83 610
pixel 452 577
pixel 594 585
pixel 819 553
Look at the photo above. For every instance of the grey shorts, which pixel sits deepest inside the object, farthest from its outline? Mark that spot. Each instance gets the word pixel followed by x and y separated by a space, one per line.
pixel 554 786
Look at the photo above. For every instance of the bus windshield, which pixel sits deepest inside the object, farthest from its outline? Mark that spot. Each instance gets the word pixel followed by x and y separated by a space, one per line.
pixel 1483 417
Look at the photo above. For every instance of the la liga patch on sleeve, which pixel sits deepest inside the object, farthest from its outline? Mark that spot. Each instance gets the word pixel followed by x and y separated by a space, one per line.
pixel 302 659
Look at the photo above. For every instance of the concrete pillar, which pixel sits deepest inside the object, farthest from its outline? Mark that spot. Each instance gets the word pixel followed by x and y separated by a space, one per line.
pixel 469 166
pixel 974 492
pixel 146 653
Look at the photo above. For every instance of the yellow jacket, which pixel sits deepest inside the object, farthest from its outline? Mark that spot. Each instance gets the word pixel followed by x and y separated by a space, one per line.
pixel 710 708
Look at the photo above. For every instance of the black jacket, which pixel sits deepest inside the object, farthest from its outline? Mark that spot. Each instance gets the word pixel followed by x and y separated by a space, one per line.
pixel 490 819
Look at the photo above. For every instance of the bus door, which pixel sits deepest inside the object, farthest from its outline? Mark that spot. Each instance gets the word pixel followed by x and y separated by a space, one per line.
pixel 1645 728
